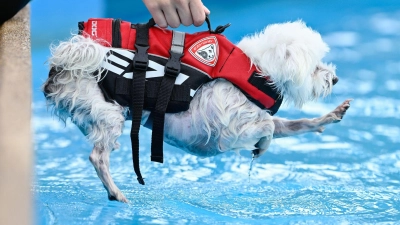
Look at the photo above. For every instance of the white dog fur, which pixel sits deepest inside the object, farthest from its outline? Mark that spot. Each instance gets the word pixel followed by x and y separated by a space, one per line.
pixel 220 117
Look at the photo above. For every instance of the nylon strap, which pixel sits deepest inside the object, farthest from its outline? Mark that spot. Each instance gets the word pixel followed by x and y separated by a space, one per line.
pixel 172 70
pixel 116 33
pixel 140 64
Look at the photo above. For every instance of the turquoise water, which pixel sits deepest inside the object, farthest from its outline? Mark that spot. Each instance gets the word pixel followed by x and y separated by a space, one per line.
pixel 348 175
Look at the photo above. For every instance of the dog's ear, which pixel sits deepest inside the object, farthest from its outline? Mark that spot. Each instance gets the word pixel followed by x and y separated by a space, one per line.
pixel 291 61
pixel 295 50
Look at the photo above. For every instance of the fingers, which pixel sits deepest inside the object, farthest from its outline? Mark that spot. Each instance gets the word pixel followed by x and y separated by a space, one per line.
pixel 185 15
pixel 159 18
pixel 156 11
pixel 198 11
pixel 171 16
pixel 175 12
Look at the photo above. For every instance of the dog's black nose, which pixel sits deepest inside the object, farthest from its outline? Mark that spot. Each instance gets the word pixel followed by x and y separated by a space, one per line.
pixel 335 80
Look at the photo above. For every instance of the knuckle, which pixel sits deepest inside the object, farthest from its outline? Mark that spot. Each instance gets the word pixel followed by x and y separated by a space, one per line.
pixel 198 22
pixel 152 5
pixel 174 25
pixel 159 22
pixel 187 22
pixel 162 25
pixel 180 2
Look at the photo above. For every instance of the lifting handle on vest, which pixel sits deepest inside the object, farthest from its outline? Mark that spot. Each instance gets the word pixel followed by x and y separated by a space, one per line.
pixel 218 30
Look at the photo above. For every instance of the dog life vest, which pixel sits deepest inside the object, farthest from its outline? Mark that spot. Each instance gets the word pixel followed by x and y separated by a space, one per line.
pixel 160 70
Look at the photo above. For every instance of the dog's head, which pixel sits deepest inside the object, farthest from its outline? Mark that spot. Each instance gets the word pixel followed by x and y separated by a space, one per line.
pixel 290 55
pixel 207 53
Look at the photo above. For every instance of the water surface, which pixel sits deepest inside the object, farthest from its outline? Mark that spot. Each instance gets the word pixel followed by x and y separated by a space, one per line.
pixel 347 175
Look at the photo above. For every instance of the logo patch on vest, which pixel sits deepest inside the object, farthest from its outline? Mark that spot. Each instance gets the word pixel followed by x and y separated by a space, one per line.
pixel 205 50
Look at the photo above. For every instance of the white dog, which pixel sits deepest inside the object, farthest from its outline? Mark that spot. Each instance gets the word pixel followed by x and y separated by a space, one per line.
pixel 220 117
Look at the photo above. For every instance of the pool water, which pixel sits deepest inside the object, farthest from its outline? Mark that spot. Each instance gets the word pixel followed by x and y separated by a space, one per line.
pixel 350 174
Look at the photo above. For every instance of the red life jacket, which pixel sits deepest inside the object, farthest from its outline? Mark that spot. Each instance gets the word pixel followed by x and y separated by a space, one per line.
pixel 223 59
pixel 187 61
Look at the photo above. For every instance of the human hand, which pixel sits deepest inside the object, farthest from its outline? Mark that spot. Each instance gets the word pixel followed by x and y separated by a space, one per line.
pixel 175 12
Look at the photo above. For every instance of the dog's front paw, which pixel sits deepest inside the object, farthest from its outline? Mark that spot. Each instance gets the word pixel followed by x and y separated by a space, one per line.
pixel 339 112
pixel 320 129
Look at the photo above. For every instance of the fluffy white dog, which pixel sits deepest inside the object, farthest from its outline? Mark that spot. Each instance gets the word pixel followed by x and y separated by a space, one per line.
pixel 220 117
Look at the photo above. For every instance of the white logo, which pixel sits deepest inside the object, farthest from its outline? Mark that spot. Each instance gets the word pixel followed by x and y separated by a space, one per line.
pixel 205 50
pixel 94 28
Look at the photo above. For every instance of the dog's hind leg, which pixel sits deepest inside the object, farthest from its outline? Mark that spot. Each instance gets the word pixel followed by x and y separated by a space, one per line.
pixel 286 128
pixel 102 123
pixel 104 132
pixel 100 160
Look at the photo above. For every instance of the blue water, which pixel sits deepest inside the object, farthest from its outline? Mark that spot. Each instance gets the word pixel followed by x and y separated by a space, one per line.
pixel 348 175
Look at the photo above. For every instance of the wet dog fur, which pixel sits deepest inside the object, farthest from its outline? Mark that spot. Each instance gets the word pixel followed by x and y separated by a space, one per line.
pixel 220 117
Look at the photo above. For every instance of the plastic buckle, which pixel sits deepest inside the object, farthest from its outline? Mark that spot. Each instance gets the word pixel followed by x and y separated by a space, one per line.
pixel 141 60
pixel 173 66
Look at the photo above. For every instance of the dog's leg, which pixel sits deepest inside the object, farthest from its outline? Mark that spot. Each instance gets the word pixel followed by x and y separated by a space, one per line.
pixel 100 160
pixel 104 133
pixel 102 123
pixel 286 128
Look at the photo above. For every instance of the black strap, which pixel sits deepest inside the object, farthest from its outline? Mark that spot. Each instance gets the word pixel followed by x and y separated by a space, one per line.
pixel 81 27
pixel 140 64
pixel 172 70
pixel 116 33
pixel 219 28
pixel 268 88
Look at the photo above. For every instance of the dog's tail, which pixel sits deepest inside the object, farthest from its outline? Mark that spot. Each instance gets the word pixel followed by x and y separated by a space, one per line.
pixel 76 66
pixel 81 56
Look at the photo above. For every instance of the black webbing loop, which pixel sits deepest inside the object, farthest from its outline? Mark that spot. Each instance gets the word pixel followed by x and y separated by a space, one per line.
pixel 218 30
pixel 171 71
pixel 209 24
pixel 140 63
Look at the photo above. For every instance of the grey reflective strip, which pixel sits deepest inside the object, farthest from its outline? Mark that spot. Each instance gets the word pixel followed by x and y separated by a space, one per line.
pixel 178 41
